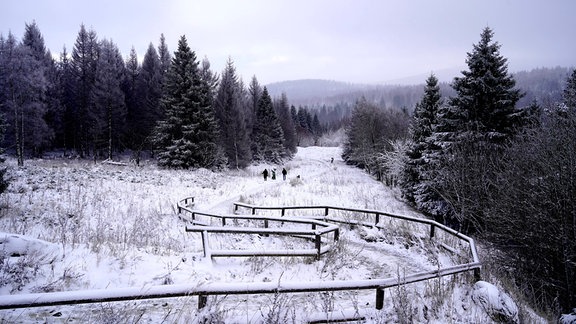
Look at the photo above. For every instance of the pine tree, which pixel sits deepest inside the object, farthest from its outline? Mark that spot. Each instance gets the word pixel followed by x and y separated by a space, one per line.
pixel 4 183
pixel 84 61
pixel 283 111
pixel 37 134
pixel 267 133
pixel 22 100
pixel 67 96
pixel 164 57
pixel 229 108
pixel 254 95
pixel 131 94
pixel 485 94
pixel 422 150
pixel 187 136
pixel 471 131
pixel 149 90
pixel 108 111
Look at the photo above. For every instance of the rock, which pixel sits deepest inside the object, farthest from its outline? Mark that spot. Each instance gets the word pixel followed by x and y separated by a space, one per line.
pixel 497 304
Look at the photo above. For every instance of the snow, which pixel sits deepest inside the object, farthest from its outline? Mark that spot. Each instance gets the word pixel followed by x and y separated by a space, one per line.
pixel 568 318
pixel 495 302
pixel 73 225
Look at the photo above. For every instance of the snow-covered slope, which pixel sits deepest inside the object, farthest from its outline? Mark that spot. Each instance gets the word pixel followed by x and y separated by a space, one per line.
pixel 74 225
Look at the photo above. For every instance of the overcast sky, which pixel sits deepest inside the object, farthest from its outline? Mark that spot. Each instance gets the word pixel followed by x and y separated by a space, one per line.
pixel 361 41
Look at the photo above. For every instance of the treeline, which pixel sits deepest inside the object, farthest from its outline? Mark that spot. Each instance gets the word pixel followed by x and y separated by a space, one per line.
pixel 94 103
pixel 335 101
pixel 483 164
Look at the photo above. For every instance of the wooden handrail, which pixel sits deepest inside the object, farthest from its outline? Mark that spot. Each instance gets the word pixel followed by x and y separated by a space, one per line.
pixel 433 224
pixel 206 289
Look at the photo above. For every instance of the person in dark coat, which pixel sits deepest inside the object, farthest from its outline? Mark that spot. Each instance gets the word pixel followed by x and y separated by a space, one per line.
pixel 284 173
pixel 265 174
pixel 273 174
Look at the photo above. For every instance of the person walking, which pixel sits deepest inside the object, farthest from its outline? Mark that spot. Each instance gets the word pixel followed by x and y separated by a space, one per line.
pixel 284 173
pixel 265 174
pixel 273 174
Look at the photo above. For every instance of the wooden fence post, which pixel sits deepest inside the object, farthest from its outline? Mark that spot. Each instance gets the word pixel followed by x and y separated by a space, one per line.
pixel 432 230
pixel 379 298
pixel 318 247
pixel 202 301
pixel 205 243
pixel 477 275
pixel 377 218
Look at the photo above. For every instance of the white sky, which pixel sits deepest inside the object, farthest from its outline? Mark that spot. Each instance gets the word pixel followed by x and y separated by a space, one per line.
pixel 362 41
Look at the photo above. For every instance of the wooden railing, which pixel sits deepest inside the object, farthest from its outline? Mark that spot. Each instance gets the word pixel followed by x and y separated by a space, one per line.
pixel 378 217
pixel 204 290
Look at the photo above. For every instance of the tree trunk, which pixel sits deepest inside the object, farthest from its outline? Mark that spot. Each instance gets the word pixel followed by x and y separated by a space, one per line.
pixel 109 133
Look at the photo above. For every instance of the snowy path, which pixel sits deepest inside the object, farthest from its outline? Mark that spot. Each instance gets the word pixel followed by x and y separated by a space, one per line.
pixel 319 164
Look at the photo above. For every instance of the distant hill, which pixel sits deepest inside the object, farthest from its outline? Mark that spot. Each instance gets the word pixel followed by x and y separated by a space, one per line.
pixel 312 90
pixel 544 85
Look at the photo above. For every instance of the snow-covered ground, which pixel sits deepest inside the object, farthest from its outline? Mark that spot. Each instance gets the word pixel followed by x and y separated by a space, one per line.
pixel 76 225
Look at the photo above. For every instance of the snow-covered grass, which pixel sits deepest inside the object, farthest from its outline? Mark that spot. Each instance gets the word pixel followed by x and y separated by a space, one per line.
pixel 74 225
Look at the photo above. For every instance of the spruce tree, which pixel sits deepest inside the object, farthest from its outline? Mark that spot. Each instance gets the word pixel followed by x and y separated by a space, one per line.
pixel 187 136
pixel 254 95
pixel 283 112
pixel 107 115
pixel 164 57
pixel 4 183
pixel 267 133
pixel 230 114
pixel 132 94
pixel 486 96
pixel 471 131
pixel 84 61
pixel 422 150
pixel 149 92
pixel 23 86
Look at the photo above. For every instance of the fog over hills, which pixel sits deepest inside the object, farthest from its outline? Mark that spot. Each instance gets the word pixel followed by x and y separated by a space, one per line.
pixel 540 84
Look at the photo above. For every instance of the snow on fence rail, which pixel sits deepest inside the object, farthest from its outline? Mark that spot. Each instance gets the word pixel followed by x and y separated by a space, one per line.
pixel 378 217
pixel 320 232
pixel 247 288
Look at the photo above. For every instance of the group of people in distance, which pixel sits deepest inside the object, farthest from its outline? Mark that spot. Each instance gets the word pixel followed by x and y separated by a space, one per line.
pixel 272 172
pixel 273 175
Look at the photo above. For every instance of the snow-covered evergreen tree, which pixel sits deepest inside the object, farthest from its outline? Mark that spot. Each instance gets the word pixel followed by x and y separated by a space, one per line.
pixel 230 112
pixel 283 111
pixel 83 65
pixel 164 57
pixel 107 115
pixel 486 96
pixel 187 136
pixel 471 131
pixel 4 183
pixel 267 133
pixel 149 91
pixel 23 86
pixel 423 151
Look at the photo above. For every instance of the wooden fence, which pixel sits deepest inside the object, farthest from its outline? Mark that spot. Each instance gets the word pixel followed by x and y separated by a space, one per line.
pixel 204 290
